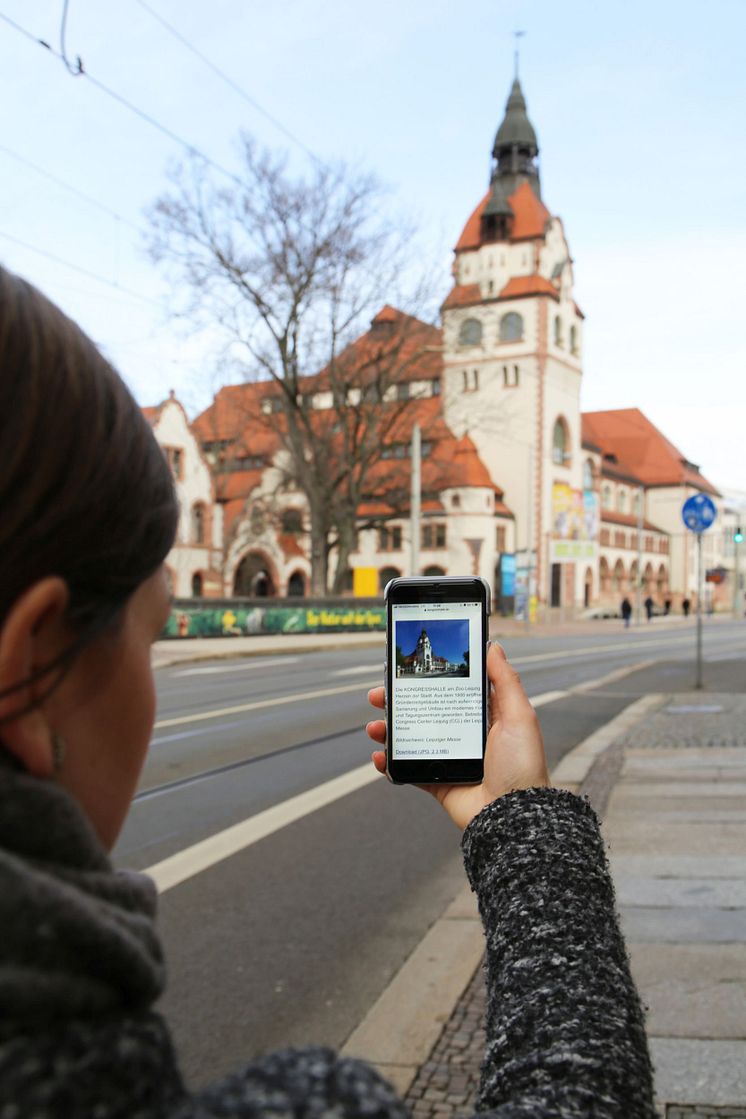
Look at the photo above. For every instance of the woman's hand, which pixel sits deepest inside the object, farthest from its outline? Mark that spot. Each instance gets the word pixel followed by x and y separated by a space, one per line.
pixel 514 758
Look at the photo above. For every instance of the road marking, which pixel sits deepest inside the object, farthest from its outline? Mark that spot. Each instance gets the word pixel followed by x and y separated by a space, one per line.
pixel 356 670
pixel 565 654
pixel 279 701
pixel 201 856
pixel 545 697
pixel 245 666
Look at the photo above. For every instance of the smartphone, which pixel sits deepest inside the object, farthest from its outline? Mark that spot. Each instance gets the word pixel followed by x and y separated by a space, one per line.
pixel 436 679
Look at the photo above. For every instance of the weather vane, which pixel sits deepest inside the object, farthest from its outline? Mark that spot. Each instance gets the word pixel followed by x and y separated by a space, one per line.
pixel 517 35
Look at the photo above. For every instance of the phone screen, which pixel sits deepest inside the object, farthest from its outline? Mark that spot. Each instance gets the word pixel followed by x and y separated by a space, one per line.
pixel 436 705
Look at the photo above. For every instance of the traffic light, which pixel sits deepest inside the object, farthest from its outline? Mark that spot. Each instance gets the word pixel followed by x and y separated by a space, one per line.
pixel 738 535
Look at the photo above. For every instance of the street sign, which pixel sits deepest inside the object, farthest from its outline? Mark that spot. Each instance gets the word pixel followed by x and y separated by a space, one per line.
pixel 698 512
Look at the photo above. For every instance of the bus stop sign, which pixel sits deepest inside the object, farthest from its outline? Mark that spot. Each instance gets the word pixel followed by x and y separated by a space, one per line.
pixel 698 512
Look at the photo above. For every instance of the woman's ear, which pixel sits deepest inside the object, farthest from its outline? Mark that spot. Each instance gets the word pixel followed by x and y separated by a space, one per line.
pixel 30 637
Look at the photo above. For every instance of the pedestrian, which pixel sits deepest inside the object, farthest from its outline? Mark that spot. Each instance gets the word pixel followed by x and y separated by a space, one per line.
pixel 667 607
pixel 686 607
pixel 626 611
pixel 649 604
pixel 89 516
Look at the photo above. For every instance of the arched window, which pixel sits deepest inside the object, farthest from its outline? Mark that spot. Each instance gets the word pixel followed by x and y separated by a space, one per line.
pixel 385 575
pixel 292 521
pixel 511 327
pixel 621 501
pixel 560 441
pixel 470 332
pixel 297 585
pixel 619 577
pixel 574 339
pixel 198 523
pixel 588 474
pixel 433 572
pixel 558 331
pixel 197 585
pixel 606 496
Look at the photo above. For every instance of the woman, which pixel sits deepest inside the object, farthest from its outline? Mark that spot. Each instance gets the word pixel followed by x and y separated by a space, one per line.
pixel 88 517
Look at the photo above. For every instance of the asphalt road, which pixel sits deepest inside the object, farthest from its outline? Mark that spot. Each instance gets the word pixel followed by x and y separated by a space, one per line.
pixel 292 938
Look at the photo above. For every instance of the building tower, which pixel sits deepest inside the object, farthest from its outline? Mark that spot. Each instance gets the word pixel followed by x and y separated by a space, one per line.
pixel 512 348
pixel 424 653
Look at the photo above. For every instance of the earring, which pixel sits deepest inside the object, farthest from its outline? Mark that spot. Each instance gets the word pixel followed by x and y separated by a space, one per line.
pixel 59 746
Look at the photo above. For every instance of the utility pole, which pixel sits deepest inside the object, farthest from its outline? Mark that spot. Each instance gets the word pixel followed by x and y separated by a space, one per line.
pixel 529 534
pixel 414 506
pixel 638 588
pixel 737 540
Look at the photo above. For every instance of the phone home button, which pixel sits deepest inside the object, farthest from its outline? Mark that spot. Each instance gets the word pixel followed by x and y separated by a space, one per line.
pixel 437 771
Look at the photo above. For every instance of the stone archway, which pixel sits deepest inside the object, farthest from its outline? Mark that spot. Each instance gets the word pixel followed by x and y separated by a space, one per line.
pixel 297 585
pixel 255 576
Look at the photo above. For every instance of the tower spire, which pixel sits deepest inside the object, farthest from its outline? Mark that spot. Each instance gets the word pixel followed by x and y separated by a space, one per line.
pixel 517 35
pixel 516 147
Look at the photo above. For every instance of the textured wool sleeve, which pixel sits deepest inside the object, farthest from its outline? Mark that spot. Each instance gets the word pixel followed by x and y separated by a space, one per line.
pixel 565 1029
pixel 302 1083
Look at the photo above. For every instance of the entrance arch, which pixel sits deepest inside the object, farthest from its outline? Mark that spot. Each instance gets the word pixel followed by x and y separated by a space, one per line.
pixel 385 574
pixel 297 585
pixel 255 577
pixel 434 572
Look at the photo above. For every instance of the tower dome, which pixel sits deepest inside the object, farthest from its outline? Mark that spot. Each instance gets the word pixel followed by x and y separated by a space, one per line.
pixel 516 147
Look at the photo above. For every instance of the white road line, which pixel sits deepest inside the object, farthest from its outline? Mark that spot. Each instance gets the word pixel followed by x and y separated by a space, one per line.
pixel 245 666
pixel 356 670
pixel 279 701
pixel 565 654
pixel 201 856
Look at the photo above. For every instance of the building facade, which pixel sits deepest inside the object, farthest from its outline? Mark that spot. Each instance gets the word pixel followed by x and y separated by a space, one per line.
pixel 518 485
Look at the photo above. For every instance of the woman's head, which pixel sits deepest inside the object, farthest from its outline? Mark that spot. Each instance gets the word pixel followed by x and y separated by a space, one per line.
pixel 87 516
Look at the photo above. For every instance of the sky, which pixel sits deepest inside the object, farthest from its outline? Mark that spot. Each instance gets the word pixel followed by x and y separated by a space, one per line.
pixel 638 109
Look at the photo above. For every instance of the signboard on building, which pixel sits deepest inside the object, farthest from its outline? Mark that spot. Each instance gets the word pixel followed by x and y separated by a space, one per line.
pixel 575 524
pixel 189 620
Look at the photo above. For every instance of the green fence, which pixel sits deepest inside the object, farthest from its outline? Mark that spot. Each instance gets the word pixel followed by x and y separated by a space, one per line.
pixel 205 618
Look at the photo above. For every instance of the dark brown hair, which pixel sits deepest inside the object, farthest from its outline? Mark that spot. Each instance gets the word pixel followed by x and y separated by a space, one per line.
pixel 85 491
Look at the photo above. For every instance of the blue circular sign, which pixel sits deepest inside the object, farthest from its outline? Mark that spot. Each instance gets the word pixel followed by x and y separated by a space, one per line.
pixel 698 512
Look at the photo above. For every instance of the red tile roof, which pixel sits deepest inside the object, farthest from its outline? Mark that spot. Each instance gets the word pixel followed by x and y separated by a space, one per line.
pixel 530 217
pixel 641 450
pixel 534 284
pixel 462 295
pixel 611 516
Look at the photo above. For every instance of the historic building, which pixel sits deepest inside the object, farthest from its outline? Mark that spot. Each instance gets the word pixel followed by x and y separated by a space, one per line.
pixel 549 505
pixel 195 563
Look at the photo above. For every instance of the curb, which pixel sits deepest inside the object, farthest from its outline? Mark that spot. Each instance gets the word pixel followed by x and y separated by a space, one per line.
pixel 401 1029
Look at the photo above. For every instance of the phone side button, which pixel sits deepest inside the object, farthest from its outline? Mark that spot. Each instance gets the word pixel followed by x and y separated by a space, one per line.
pixel 437 771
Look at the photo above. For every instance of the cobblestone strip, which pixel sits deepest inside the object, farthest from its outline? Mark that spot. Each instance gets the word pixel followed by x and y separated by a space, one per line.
pixel 446 1085
pixel 704 1111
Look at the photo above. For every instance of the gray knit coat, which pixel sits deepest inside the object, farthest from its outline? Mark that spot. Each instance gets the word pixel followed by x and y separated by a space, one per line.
pixel 81 966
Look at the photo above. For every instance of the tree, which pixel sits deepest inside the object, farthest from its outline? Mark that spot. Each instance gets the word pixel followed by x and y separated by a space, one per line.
pixel 288 270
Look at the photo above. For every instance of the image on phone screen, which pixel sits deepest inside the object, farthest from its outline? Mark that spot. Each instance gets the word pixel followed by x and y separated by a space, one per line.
pixel 436 707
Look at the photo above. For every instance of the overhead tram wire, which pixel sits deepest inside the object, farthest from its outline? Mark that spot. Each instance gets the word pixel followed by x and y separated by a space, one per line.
pixel 162 128
pixel 69 186
pixel 228 80
pixel 83 271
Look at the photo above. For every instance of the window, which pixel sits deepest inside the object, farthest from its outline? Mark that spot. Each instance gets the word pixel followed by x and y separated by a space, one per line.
pixel 606 496
pixel 470 332
pixel 620 540
pixel 588 474
pixel 402 391
pixel 271 404
pixel 621 501
pixel 198 523
pixel 292 521
pixel 433 572
pixel 197 585
pixel 296 585
pixel 558 331
pixel 605 537
pixel 433 536
pixel 511 375
pixel 456 501
pixel 511 327
pixel 389 539
pixel 175 459
pixel 500 538
pixel 560 453
pixel 435 387
pixel 385 575
pixel 573 339
pixel 471 380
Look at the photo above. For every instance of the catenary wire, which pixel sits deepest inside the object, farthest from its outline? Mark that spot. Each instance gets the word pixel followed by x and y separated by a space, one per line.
pixel 227 79
pixel 69 186
pixel 162 128
pixel 83 271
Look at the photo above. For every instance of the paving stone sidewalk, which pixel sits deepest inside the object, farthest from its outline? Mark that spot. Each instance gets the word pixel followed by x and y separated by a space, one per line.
pixel 672 792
